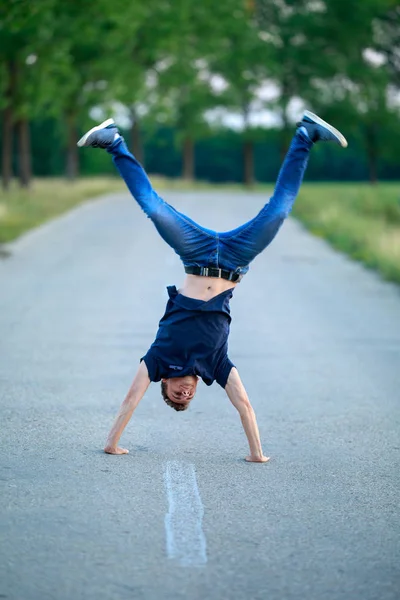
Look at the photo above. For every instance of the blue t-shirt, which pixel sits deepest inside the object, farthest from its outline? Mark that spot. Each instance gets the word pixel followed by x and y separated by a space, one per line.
pixel 192 339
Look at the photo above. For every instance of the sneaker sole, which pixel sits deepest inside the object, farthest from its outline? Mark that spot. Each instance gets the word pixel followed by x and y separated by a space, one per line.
pixel 341 139
pixel 102 125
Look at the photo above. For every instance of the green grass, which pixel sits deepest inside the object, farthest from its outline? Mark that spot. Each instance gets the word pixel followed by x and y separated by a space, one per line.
pixel 358 219
pixel 22 209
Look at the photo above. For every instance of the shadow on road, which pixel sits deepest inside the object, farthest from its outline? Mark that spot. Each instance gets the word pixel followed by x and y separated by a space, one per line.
pixel 4 253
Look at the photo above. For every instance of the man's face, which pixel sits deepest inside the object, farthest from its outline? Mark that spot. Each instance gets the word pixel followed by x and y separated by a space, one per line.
pixel 181 389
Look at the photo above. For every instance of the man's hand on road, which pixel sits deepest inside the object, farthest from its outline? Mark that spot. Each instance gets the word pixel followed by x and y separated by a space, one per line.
pixel 136 392
pixel 117 450
pixel 240 400
pixel 259 459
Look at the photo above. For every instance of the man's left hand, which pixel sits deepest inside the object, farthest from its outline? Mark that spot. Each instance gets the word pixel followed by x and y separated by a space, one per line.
pixel 258 459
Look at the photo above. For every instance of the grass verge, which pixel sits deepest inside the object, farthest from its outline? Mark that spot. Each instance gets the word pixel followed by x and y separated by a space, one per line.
pixel 359 219
pixel 22 209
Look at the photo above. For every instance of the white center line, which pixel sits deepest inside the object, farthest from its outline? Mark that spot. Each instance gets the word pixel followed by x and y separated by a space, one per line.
pixel 186 541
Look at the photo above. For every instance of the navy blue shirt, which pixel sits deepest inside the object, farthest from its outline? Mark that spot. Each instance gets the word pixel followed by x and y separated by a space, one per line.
pixel 192 339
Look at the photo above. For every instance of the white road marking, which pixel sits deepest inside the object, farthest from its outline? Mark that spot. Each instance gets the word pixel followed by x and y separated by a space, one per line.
pixel 186 541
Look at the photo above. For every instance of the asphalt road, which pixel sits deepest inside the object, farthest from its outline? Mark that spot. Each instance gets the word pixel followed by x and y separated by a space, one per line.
pixel 316 339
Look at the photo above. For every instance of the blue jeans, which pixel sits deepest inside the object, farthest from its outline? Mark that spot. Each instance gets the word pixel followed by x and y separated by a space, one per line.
pixel 197 246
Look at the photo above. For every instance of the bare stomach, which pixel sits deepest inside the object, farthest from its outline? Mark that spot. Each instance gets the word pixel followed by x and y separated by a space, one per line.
pixel 204 288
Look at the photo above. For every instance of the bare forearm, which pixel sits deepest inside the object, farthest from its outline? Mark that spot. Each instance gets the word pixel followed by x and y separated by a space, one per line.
pixel 133 397
pixel 122 419
pixel 238 396
pixel 250 427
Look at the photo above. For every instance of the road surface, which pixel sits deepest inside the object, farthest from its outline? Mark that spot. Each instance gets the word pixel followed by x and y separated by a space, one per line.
pixel 316 339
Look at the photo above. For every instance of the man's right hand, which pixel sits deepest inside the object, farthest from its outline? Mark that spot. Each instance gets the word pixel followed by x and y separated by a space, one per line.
pixel 136 392
pixel 117 450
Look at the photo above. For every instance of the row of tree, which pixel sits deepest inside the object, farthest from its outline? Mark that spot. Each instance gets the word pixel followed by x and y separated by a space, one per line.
pixel 174 62
pixel 218 156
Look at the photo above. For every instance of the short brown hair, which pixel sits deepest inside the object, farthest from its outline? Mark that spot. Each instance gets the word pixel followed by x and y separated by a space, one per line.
pixel 174 405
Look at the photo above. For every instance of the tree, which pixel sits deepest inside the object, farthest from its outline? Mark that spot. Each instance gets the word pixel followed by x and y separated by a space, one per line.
pixel 25 34
pixel 183 81
pixel 386 41
pixel 244 62
pixel 357 93
pixel 141 51
pixel 91 52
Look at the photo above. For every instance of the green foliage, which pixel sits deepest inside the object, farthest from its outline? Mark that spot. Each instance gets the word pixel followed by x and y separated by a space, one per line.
pixel 171 62
pixel 25 41
pixel 387 38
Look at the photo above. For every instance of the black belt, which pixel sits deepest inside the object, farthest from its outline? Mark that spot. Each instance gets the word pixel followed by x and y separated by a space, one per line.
pixel 214 272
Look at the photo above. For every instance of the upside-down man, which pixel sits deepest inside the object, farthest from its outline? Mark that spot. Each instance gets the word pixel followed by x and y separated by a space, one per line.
pixel 192 339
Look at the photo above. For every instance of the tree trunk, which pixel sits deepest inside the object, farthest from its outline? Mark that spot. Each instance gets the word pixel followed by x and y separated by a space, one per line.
pixel 286 133
pixel 188 159
pixel 373 167
pixel 8 117
pixel 285 138
pixel 24 153
pixel 248 162
pixel 72 162
pixel 371 141
pixel 7 145
pixel 136 138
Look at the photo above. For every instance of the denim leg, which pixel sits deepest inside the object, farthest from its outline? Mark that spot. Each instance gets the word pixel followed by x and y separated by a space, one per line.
pixel 240 246
pixel 194 244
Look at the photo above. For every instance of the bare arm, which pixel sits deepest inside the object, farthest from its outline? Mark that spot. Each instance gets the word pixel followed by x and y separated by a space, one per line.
pixel 240 400
pixel 136 392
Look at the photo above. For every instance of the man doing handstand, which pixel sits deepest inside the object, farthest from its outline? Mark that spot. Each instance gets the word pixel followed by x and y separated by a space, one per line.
pixel 192 339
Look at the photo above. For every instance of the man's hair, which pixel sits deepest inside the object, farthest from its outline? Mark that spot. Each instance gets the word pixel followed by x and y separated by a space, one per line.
pixel 174 405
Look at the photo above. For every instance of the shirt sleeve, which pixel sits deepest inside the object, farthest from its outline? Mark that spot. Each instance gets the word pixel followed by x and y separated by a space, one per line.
pixel 222 373
pixel 152 366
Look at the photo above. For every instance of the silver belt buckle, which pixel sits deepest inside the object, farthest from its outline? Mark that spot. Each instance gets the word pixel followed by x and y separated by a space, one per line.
pixel 235 274
pixel 205 272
